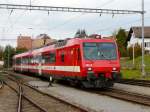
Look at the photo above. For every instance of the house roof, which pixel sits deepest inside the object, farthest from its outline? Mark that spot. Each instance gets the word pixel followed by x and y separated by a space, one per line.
pixel 138 32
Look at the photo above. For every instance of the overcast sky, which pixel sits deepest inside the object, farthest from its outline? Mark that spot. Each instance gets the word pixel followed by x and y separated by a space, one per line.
pixel 60 25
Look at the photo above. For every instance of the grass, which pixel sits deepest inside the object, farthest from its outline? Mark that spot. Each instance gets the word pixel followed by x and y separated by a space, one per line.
pixel 130 71
pixel 133 74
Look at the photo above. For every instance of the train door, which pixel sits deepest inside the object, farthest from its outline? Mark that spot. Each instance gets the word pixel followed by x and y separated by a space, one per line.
pixel 14 64
pixel 21 64
pixel 40 63
pixel 76 60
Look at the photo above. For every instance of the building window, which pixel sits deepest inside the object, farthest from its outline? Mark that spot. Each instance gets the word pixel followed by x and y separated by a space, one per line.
pixel 147 44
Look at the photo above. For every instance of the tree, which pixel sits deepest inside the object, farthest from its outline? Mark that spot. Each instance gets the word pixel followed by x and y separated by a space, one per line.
pixel 1 52
pixel 8 55
pixel 77 33
pixel 137 51
pixel 20 50
pixel 121 41
pixel 45 37
pixel 81 34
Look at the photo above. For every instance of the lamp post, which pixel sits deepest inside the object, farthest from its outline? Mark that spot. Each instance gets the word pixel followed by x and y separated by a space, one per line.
pixel 143 45
pixel 8 61
pixel 133 53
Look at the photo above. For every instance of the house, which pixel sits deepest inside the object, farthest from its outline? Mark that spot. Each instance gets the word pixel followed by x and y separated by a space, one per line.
pixel 41 40
pixel 135 36
pixel 24 42
pixel 110 37
pixel 29 43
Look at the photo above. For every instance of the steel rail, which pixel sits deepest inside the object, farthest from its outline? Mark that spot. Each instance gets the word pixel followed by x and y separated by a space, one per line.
pixel 20 99
pixel 126 96
pixel 1 84
pixel 118 94
pixel 81 108
pixel 144 83
pixel 21 96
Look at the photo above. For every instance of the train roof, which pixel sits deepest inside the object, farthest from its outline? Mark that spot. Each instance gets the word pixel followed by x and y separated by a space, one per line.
pixel 28 53
pixel 61 44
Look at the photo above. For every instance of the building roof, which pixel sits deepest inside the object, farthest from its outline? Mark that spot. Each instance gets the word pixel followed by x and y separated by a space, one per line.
pixel 138 32
pixel 24 37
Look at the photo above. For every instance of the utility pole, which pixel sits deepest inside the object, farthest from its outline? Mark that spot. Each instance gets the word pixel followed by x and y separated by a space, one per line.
pixel 143 44
pixel 8 58
pixel 133 54
pixel 133 50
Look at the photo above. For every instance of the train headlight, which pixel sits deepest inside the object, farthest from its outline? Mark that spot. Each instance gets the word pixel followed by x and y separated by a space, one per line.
pixel 114 68
pixel 89 68
pixel 88 65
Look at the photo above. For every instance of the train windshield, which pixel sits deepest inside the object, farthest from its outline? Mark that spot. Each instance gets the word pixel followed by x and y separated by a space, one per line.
pixel 99 51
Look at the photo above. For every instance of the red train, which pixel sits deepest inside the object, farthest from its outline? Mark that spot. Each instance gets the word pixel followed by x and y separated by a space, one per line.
pixel 89 62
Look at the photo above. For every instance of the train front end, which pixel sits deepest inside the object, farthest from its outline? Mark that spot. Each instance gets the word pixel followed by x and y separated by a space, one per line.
pixel 101 64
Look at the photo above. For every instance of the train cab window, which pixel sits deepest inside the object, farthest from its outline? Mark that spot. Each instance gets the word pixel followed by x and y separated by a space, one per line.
pixel 62 57
pixel 52 58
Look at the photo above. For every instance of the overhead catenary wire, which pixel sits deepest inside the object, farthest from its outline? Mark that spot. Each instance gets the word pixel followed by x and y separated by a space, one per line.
pixel 78 9
pixel 78 16
pixel 68 9
pixel 110 27
pixel 21 15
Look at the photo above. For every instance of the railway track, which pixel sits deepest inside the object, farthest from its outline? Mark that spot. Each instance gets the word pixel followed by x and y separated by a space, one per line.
pixel 120 94
pixel 127 96
pixel 1 84
pixel 145 83
pixel 43 102
pixel 25 104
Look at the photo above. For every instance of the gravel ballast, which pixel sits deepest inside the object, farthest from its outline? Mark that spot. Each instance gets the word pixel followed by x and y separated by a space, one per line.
pixel 92 101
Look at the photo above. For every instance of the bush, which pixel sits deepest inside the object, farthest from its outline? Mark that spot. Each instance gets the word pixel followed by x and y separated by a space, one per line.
pixel 123 51
pixel 137 51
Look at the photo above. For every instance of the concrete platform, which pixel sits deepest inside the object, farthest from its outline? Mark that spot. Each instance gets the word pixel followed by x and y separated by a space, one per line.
pixel 133 88
pixel 38 83
pixel 92 101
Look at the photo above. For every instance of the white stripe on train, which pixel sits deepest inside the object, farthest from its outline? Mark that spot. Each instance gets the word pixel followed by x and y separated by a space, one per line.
pixel 59 68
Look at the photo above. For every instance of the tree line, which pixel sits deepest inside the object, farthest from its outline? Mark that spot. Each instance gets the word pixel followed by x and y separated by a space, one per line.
pixel 7 53
pixel 125 51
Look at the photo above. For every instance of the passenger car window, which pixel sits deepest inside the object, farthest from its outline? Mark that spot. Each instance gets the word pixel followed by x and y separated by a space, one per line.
pixel 46 58
pixel 52 57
